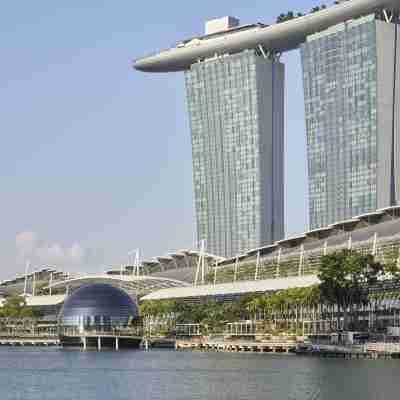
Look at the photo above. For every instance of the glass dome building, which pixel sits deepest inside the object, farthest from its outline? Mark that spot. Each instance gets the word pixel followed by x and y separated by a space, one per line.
pixel 96 315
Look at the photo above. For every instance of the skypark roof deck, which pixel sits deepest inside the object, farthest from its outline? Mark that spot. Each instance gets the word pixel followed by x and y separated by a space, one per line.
pixel 276 38
pixel 227 32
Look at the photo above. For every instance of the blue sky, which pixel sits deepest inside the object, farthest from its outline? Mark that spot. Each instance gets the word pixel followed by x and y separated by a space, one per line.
pixel 95 159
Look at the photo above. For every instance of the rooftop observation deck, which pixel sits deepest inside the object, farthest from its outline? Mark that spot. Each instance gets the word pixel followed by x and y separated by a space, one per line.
pixel 276 38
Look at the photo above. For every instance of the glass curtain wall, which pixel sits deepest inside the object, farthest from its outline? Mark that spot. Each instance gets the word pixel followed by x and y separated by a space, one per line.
pixel 236 114
pixel 340 87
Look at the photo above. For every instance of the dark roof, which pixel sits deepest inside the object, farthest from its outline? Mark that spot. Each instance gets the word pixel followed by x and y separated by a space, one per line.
pixel 101 301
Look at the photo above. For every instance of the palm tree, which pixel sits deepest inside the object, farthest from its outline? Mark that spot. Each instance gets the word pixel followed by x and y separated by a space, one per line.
pixel 253 306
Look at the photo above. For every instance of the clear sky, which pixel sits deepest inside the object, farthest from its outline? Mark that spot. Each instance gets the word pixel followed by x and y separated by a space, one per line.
pixel 95 158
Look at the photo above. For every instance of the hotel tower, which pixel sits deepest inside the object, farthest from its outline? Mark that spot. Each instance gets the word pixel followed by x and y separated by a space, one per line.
pixel 235 91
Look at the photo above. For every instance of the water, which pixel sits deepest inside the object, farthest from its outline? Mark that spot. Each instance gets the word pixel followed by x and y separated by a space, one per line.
pixel 42 374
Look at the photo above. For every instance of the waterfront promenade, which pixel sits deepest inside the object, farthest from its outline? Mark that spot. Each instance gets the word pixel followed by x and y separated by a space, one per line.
pixel 278 345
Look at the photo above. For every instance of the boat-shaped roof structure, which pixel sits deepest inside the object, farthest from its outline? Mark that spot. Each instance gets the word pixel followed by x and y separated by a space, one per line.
pixel 278 38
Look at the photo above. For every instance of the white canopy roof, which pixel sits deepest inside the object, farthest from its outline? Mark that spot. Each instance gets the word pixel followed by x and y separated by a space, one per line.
pixel 233 288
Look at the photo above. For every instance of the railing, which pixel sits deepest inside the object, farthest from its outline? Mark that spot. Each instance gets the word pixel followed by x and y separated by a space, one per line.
pixel 383 347
pixel 28 335
pixel 116 332
pixel 296 262
pixel 361 348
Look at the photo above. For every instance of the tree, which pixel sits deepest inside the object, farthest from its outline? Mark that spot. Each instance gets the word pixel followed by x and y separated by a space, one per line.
pixel 392 266
pixel 287 17
pixel 345 276
pixel 232 311
pixel 318 8
pixel 253 306
pixel 15 307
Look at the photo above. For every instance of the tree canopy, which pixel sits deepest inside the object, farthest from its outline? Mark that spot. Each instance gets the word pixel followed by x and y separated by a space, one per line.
pixel 345 277
pixel 15 307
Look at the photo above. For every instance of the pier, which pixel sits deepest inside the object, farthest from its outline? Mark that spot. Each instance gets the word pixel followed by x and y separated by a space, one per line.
pixel 100 340
pixel 371 351
pixel 286 347
pixel 277 345
pixel 29 341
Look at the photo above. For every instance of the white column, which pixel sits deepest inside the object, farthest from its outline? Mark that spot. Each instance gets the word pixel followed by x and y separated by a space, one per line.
pixel 262 51
pixel 200 271
pixel 84 343
pixel 51 282
pixel 137 263
pixel 34 284
pixel 375 245
pixel 257 266
pixel 325 248
pixel 388 14
pixel 236 269
pixel 398 260
pixel 278 266
pixel 301 260
pixel 350 243
pixel 116 343
pixel 203 266
pixel 26 277
pixel 98 343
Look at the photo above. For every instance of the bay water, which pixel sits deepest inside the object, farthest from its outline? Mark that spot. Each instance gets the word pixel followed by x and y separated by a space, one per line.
pixel 52 373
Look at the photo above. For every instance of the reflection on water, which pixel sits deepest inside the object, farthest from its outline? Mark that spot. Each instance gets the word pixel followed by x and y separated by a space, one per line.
pixel 41 374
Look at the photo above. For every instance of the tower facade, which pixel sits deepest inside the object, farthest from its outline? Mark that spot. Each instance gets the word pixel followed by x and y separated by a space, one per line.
pixel 351 88
pixel 236 112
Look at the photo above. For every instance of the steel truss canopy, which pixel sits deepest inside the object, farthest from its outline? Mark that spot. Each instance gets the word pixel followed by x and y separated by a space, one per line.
pixel 276 38
pixel 132 284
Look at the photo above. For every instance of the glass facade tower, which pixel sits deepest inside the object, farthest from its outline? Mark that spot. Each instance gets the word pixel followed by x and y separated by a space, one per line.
pixel 350 85
pixel 236 111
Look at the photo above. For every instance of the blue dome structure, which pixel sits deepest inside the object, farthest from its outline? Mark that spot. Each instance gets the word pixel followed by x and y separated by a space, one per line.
pixel 96 311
